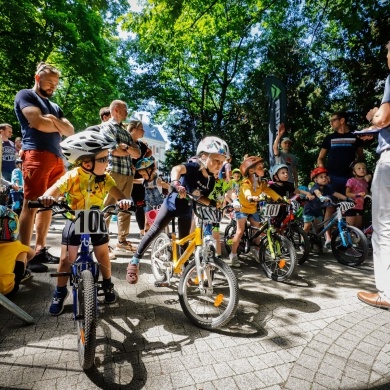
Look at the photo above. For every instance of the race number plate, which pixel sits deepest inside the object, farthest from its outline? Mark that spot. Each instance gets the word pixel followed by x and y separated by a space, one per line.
pixel 271 210
pixel 90 222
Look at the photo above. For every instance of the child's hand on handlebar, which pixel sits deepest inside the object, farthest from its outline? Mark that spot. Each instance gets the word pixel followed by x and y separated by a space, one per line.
pixel 46 201
pixel 179 188
pixel 125 204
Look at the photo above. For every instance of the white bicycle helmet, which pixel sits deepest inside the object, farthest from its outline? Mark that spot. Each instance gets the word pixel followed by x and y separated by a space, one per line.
pixel 85 143
pixel 213 145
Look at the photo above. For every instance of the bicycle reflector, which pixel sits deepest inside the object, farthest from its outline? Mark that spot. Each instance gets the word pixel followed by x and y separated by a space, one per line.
pixel 218 300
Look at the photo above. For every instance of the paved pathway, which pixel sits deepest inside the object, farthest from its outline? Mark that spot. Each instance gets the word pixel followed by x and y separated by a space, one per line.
pixel 309 333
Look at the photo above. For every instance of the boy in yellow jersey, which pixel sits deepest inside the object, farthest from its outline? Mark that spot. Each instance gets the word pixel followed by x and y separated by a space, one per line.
pixel 86 185
pixel 245 206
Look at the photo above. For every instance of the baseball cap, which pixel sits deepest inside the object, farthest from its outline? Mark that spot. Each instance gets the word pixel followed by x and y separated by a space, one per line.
pixel 286 139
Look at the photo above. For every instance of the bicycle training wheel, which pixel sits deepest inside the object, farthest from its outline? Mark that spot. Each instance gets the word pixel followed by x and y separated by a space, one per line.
pixel 159 256
pixel 215 306
pixel 281 266
pixel 301 242
pixel 230 231
pixel 356 251
pixel 86 319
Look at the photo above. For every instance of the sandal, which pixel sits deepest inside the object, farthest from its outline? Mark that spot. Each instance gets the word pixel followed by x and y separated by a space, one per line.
pixel 126 246
pixel 132 273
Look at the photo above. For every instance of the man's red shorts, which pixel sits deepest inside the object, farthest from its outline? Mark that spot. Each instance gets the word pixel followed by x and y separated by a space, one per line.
pixel 41 170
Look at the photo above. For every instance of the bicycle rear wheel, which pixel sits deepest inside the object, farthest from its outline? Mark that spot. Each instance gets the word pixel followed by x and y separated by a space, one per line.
pixel 358 244
pixel 215 306
pixel 281 266
pixel 159 256
pixel 300 241
pixel 86 319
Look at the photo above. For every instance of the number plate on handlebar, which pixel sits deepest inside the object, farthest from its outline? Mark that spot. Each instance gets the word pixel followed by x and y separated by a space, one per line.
pixel 90 222
pixel 271 210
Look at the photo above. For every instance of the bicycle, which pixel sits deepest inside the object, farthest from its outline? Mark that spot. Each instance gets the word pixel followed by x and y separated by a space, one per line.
pixel 349 244
pixel 208 288
pixel 291 228
pixel 277 254
pixel 84 273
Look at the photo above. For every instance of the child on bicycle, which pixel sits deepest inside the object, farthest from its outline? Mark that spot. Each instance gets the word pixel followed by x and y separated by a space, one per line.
pixel 195 177
pixel 357 189
pixel 251 189
pixel 280 184
pixel 13 254
pixel 313 210
pixel 85 186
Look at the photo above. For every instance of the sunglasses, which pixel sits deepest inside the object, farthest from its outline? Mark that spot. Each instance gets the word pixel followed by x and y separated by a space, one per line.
pixel 101 160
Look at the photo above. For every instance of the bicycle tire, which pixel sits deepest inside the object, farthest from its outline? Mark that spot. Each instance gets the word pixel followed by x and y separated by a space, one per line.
pixel 282 267
pixel 230 231
pixel 87 321
pixel 359 243
pixel 159 271
pixel 300 240
pixel 217 305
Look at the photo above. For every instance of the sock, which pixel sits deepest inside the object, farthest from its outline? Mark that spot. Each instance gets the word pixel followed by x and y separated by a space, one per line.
pixel 106 281
pixel 61 289
pixel 134 260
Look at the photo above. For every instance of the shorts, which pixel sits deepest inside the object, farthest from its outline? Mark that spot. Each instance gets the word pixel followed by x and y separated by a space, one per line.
pixel 310 218
pixel 209 228
pixel 353 213
pixel 41 170
pixel 337 183
pixel 70 238
pixel 240 215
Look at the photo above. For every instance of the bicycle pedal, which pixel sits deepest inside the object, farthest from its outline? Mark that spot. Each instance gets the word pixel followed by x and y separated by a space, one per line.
pixel 161 284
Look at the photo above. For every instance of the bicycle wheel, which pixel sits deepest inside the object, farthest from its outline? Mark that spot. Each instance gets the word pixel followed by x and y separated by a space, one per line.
pixel 281 266
pixel 86 319
pixel 215 306
pixel 230 231
pixel 358 243
pixel 159 256
pixel 300 240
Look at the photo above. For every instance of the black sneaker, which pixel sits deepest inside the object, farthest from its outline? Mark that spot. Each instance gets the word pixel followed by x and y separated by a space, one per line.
pixel 109 293
pixel 57 303
pixel 43 256
pixel 35 266
pixel 27 275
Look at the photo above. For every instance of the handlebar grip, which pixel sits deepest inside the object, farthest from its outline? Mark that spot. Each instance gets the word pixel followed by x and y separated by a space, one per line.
pixel 35 204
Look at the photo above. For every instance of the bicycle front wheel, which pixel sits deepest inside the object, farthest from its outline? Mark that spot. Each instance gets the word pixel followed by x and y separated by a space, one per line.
pixel 160 256
pixel 300 241
pixel 356 250
pixel 213 306
pixel 279 266
pixel 86 319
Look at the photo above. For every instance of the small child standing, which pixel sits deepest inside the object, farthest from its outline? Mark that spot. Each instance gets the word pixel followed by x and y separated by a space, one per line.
pixel 233 185
pixel 17 193
pixel 357 188
pixel 146 167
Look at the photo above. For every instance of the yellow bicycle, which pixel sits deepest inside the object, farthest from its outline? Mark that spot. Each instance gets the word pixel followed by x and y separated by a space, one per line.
pixel 208 288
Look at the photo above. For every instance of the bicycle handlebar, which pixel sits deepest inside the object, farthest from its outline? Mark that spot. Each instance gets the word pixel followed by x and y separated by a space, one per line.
pixel 64 208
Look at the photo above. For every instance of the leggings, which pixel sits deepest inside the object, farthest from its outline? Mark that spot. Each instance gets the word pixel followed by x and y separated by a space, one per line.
pixel 161 222
pixel 138 195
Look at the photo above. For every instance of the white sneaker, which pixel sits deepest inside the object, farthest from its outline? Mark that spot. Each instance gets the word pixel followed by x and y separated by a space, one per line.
pixel 233 260
pixel 327 245
pixel 255 253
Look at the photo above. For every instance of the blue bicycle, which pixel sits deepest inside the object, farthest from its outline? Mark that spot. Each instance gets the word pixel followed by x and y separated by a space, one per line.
pixel 84 274
pixel 349 244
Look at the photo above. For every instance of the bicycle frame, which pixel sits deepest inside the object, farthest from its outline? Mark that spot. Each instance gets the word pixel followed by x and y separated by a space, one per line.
pixel 83 262
pixel 336 218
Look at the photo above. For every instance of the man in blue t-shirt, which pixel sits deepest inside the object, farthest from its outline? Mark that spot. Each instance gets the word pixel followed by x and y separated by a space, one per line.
pixel 380 118
pixel 339 149
pixel 43 126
